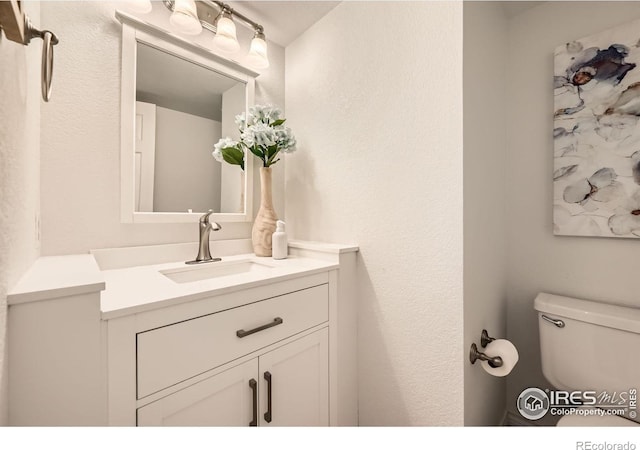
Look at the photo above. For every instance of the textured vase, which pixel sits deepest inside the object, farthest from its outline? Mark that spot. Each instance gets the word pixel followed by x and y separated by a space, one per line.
pixel 265 223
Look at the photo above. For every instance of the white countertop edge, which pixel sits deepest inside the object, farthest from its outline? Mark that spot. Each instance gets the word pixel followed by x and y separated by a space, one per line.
pixel 52 294
pixel 323 247
pixel 157 304
pixel 57 276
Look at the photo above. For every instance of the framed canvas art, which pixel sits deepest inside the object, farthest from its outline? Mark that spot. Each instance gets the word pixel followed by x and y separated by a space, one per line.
pixel 597 135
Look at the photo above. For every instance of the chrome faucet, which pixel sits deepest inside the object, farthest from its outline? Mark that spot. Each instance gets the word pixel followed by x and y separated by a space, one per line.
pixel 205 227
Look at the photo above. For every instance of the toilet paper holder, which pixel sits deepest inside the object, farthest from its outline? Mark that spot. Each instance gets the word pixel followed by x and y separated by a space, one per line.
pixel 485 339
pixel 475 354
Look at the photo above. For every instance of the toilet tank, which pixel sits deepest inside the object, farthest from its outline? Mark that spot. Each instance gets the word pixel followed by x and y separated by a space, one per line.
pixel 596 349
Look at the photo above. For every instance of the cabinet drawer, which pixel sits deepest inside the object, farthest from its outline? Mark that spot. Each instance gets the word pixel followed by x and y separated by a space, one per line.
pixel 171 354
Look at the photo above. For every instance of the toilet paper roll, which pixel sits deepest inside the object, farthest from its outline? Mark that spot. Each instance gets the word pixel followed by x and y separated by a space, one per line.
pixel 505 350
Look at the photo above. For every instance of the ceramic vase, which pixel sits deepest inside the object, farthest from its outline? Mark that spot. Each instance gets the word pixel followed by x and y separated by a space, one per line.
pixel 265 223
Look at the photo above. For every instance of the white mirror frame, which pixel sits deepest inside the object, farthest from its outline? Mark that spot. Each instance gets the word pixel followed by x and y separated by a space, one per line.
pixel 134 31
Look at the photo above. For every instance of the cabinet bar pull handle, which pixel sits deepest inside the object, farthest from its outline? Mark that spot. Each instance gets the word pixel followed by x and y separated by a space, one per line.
pixel 276 321
pixel 267 415
pixel 253 384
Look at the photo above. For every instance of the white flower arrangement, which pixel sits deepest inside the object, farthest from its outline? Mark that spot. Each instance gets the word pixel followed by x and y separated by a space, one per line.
pixel 262 132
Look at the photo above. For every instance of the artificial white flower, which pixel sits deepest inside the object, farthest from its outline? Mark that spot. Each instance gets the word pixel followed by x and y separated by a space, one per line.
pixel 222 143
pixel 259 134
pixel 241 121
pixel 263 113
pixel 285 139
pixel 262 132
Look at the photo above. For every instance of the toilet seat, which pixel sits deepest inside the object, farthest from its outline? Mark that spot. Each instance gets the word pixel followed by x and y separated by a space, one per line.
pixel 575 420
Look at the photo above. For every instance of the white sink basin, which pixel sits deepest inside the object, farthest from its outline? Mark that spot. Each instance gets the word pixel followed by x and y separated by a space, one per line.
pixel 206 271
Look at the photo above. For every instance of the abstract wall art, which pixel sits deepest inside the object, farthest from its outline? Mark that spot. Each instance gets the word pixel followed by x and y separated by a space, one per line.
pixel 597 135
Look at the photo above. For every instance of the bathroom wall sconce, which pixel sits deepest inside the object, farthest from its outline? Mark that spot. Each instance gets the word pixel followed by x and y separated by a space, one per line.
pixel 191 16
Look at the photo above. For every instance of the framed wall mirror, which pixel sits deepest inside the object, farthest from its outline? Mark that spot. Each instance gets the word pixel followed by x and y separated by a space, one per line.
pixel 178 99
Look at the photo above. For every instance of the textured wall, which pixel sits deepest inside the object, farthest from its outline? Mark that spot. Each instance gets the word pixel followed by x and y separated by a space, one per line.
pixel 592 268
pixel 378 117
pixel 19 172
pixel 485 302
pixel 81 136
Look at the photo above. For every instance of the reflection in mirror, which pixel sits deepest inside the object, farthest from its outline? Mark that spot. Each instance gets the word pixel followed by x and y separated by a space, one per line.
pixel 182 109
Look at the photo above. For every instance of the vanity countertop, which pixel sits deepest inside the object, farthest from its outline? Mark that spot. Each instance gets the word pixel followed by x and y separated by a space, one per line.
pixel 143 288
pixel 126 290
pixel 57 276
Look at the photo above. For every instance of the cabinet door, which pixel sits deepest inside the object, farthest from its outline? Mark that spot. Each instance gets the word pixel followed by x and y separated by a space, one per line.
pixel 226 399
pixel 294 389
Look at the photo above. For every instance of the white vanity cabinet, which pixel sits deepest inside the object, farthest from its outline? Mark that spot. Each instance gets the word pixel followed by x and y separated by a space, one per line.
pixel 128 346
pixel 288 386
pixel 170 354
pixel 298 374
pixel 292 378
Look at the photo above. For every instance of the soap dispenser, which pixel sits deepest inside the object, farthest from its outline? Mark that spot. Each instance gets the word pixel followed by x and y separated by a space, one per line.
pixel 279 241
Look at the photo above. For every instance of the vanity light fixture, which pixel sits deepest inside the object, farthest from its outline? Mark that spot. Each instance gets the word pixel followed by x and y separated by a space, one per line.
pixel 225 38
pixel 190 16
pixel 257 56
pixel 185 17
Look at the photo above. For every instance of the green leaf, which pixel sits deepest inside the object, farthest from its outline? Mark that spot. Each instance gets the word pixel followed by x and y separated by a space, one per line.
pixel 269 162
pixel 278 122
pixel 254 149
pixel 272 163
pixel 271 151
pixel 232 155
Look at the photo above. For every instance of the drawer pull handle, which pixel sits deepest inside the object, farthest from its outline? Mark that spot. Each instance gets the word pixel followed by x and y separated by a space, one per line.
pixel 268 414
pixel 253 384
pixel 276 321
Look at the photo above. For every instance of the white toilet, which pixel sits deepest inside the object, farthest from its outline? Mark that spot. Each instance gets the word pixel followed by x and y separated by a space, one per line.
pixel 589 346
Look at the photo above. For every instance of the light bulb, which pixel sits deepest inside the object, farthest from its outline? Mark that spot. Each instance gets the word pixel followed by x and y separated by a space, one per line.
pixel 140 6
pixel 257 56
pixel 225 38
pixel 185 17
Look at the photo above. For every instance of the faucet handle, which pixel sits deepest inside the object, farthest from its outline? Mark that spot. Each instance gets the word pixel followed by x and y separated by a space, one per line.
pixel 205 218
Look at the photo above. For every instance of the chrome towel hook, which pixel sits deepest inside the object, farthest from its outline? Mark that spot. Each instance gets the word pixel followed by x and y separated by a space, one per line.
pixel 49 40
